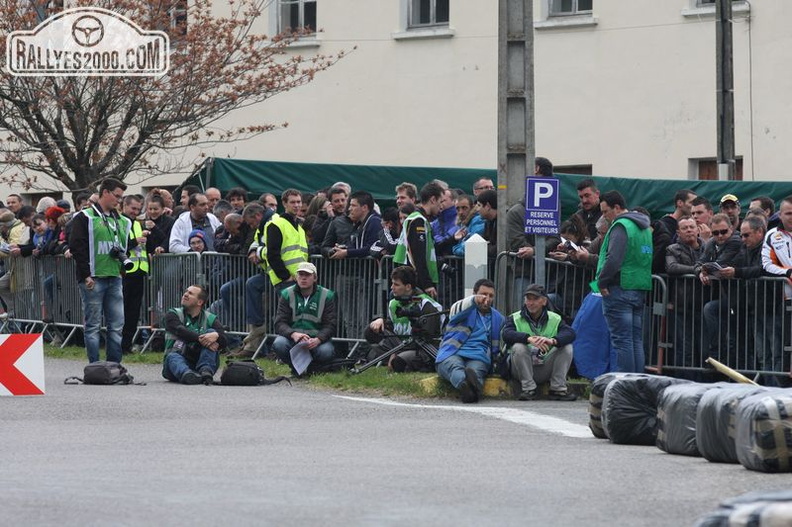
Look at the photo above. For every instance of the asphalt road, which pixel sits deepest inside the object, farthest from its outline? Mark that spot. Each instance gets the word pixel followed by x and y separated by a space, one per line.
pixel 166 454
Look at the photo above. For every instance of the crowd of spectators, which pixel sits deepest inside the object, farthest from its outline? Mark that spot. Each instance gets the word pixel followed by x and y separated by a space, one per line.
pixel 700 250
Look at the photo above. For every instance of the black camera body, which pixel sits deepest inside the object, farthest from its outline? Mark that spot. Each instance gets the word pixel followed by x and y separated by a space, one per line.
pixel 117 252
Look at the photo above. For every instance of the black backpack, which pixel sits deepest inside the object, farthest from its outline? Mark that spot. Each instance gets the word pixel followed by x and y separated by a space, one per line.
pixel 246 373
pixel 104 372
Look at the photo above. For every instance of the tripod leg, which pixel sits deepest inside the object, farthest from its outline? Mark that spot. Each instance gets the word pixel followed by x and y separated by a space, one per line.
pixel 384 356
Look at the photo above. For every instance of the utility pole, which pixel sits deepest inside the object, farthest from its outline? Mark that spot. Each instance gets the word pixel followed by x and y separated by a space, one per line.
pixel 515 112
pixel 725 88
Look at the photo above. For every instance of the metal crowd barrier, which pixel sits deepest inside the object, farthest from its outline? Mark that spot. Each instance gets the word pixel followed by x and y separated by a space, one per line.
pixel 745 324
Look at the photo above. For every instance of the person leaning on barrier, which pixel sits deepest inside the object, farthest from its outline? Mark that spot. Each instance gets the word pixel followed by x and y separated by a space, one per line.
pixel 194 340
pixel 306 314
pixel 539 347
pixel 284 247
pixel 98 244
pixel 471 342
pixel 416 243
pixel 158 223
pixel 589 207
pixel 198 217
pixel 408 301
pixel 722 248
pixel 777 261
pixel 681 258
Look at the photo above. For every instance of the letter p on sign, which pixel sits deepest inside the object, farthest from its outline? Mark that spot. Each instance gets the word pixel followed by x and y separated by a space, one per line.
pixel 542 191
pixel 21 364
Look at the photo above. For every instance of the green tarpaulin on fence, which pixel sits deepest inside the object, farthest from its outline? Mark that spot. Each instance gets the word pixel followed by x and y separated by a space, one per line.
pixel 276 176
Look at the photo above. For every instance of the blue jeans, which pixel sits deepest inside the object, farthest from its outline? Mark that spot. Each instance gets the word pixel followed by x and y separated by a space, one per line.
pixel 106 298
pixel 624 310
pixel 176 364
pixel 227 290
pixel 323 353
pixel 254 303
pixel 453 369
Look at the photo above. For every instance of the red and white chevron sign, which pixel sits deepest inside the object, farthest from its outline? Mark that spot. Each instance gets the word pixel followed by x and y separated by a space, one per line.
pixel 21 364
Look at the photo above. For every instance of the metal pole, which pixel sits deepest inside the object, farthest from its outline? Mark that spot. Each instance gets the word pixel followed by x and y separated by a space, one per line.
pixel 515 110
pixel 725 88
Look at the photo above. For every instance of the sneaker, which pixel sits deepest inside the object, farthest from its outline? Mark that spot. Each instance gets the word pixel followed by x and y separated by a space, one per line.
pixel 467 394
pixel 207 376
pixel 562 396
pixel 527 395
pixel 190 377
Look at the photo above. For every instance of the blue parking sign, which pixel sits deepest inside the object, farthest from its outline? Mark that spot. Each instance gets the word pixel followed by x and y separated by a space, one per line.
pixel 542 206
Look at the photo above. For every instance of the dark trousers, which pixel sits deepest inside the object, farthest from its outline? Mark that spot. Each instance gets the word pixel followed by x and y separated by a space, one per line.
pixel 134 285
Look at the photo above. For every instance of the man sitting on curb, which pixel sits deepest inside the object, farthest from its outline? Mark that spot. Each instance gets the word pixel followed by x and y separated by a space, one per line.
pixel 306 314
pixel 193 339
pixel 540 347
pixel 471 342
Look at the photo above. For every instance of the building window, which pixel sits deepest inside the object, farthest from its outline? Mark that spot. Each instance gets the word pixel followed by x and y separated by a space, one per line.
pixel 423 13
pixel 177 16
pixel 707 169
pixel 570 7
pixel 296 15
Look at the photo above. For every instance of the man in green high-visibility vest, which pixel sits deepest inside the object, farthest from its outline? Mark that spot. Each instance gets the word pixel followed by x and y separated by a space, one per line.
pixel 624 275
pixel 98 244
pixel 540 347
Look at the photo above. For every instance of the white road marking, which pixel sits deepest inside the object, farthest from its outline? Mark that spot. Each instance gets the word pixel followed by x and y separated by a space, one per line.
pixel 547 423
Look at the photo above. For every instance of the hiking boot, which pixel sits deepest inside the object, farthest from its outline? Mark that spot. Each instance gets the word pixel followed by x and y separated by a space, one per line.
pixel 467 394
pixel 242 353
pixel 557 395
pixel 207 376
pixel 472 379
pixel 398 365
pixel 527 395
pixel 190 377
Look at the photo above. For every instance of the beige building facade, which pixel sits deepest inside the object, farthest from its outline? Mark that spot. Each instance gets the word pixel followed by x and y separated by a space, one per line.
pixel 623 88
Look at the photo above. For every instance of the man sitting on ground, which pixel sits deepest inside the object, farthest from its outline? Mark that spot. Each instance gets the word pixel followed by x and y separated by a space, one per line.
pixel 386 331
pixel 471 342
pixel 306 314
pixel 194 337
pixel 540 347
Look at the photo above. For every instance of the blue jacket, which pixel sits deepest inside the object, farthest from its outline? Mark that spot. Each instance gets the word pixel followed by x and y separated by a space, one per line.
pixel 459 329
pixel 476 226
pixel 445 226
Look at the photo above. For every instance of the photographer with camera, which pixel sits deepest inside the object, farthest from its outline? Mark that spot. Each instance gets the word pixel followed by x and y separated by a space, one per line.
pixel 98 244
pixel 410 312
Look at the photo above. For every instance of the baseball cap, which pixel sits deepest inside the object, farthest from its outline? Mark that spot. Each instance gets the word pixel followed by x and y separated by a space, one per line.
pixel 729 197
pixel 536 290
pixel 65 205
pixel 307 267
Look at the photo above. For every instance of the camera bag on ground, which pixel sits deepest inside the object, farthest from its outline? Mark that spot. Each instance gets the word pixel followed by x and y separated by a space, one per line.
pixel 676 417
pixel 246 373
pixel 595 400
pixel 715 421
pixel 629 408
pixel 764 431
pixel 104 372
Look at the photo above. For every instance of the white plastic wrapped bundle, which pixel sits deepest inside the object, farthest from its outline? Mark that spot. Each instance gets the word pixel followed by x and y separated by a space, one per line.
pixel 596 395
pixel 764 431
pixel 676 417
pixel 629 408
pixel 715 421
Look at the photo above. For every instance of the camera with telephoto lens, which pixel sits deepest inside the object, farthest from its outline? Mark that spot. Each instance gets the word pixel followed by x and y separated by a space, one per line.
pixel 448 269
pixel 117 252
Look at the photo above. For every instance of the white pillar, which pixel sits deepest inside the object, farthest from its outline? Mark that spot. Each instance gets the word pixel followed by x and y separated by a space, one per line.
pixel 475 261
